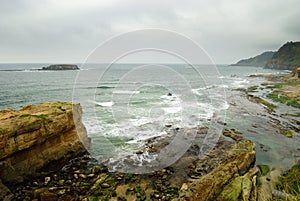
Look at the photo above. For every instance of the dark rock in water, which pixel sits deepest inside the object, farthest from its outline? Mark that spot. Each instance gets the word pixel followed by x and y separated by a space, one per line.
pixel 61 67
pixel 169 94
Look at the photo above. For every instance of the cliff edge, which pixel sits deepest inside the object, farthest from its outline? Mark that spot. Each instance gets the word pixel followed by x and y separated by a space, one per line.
pixel 39 139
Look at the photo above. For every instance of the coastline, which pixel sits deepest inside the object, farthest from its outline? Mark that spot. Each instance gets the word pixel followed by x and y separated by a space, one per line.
pixel 81 177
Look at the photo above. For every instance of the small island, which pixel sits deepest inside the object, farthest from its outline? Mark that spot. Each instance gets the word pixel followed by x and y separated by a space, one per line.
pixel 61 67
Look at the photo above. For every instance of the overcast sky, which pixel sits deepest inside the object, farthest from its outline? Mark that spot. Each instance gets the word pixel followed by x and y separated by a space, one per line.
pixel 69 30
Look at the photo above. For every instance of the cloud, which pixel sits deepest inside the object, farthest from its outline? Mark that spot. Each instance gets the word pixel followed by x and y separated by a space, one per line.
pixel 53 30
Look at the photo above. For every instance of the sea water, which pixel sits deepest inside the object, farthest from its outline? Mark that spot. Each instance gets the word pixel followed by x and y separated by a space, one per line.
pixel 126 104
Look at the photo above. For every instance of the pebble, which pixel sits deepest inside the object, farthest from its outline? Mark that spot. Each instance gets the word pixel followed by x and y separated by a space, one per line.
pixel 47 180
pixel 61 192
pixel 105 185
pixel 52 188
pixel 95 170
pixel 61 182
pixel 82 176
pixel 75 176
pixel 184 187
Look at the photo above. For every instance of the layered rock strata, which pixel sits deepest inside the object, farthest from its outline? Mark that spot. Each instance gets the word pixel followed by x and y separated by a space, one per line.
pixel 39 139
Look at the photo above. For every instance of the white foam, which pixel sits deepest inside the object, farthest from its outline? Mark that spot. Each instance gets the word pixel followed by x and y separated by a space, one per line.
pixel 240 83
pixel 172 110
pixel 105 104
pixel 141 121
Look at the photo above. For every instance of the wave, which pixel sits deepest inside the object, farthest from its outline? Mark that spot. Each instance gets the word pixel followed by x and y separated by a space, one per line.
pixel 172 110
pixel 105 104
pixel 240 83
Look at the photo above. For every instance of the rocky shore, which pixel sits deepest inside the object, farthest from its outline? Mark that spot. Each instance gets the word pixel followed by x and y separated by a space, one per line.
pixel 43 157
pixel 228 168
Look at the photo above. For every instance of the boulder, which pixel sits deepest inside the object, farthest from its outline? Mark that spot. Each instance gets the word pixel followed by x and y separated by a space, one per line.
pixel 38 139
pixel 296 73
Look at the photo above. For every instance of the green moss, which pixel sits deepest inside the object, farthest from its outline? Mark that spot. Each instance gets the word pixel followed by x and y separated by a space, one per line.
pixel 270 106
pixel 233 190
pixel 4 130
pixel 294 102
pixel 280 85
pixel 40 116
pixel 264 169
pixel 294 115
pixel 290 182
pixel 288 133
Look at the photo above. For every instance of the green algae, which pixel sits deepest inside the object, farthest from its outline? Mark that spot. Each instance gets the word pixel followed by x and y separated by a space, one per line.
pixel 264 169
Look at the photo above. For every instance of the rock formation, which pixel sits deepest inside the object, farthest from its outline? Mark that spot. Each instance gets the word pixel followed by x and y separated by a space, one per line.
pixel 259 60
pixel 296 73
pixel 227 168
pixel 287 57
pixel 61 67
pixel 39 139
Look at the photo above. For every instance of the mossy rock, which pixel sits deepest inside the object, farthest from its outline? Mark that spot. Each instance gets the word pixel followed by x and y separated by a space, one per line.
pixel 264 169
pixel 288 133
pixel 290 182
pixel 232 191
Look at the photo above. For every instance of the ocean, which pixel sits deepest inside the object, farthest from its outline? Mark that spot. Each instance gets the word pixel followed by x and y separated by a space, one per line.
pixel 124 105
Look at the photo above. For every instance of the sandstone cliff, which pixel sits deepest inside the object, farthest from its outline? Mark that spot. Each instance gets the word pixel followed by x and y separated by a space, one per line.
pixel 40 138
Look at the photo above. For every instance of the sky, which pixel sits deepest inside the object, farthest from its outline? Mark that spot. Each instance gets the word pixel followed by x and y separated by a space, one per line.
pixel 56 31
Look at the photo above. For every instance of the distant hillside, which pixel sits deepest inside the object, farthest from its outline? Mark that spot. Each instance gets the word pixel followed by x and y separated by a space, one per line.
pixel 287 57
pixel 260 60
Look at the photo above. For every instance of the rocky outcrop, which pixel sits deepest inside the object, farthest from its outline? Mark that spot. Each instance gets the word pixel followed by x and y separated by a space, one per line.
pixel 39 139
pixel 231 174
pixel 287 57
pixel 296 73
pixel 61 67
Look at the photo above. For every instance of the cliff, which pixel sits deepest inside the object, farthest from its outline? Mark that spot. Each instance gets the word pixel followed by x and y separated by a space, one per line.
pixel 258 61
pixel 286 58
pixel 61 67
pixel 38 139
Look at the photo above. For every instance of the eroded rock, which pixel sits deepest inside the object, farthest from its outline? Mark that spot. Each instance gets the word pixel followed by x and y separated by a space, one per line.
pixel 39 139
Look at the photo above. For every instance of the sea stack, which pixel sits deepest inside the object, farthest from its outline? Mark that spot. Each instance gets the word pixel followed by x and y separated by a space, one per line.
pixel 61 67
